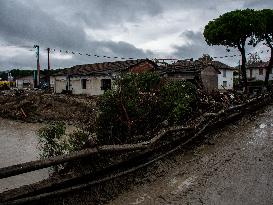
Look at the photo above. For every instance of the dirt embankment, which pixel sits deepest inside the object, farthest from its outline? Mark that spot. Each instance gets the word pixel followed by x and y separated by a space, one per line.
pixel 35 106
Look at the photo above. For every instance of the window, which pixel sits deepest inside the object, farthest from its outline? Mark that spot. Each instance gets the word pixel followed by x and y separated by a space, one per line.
pixel 224 73
pixel 270 72
pixel 261 71
pixel 83 81
pixel 224 84
pixel 106 84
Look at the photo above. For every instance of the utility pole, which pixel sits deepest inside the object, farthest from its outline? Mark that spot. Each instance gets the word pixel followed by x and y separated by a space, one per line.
pixel 37 74
pixel 239 71
pixel 48 68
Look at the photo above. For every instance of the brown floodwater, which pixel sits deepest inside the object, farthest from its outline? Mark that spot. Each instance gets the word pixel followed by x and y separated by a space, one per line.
pixel 18 144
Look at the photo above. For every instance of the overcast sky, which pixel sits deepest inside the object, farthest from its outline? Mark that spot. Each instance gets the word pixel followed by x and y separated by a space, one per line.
pixel 122 28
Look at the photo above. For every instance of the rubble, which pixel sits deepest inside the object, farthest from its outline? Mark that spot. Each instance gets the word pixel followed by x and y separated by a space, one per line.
pixel 37 106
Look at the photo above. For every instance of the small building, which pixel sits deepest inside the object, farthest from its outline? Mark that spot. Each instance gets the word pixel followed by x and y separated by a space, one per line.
pixel 25 82
pixel 95 79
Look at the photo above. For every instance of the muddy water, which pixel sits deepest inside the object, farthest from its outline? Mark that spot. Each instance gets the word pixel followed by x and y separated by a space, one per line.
pixel 18 144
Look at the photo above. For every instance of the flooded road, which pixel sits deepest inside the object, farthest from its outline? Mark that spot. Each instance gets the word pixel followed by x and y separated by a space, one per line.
pixel 18 144
pixel 233 166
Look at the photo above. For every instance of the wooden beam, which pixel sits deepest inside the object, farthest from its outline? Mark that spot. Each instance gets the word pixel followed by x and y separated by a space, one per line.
pixel 44 163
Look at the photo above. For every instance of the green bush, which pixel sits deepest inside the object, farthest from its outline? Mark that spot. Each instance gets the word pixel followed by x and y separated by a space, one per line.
pixel 258 83
pixel 77 140
pixel 54 141
pixel 139 104
pixel 178 99
pixel 50 138
pixel 126 111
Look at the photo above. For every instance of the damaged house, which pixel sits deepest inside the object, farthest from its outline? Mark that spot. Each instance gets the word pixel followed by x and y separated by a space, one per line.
pixel 94 79
pixel 210 74
pixel 257 71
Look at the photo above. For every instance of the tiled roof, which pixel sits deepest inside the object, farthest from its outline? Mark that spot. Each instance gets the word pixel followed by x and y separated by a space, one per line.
pixel 106 67
pixel 193 66
pixel 181 66
pixel 220 65
pixel 259 64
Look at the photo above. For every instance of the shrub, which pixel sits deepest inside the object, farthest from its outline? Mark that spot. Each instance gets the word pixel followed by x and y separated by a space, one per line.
pixel 77 140
pixel 178 100
pixel 127 110
pixel 54 141
pixel 139 104
pixel 50 138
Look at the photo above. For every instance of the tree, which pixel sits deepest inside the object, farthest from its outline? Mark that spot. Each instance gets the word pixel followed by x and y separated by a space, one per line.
pixel 4 75
pixel 232 29
pixel 264 32
pixel 17 73
pixel 139 104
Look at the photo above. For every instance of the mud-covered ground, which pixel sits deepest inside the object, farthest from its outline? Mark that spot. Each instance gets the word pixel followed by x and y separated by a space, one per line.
pixel 233 166
pixel 37 106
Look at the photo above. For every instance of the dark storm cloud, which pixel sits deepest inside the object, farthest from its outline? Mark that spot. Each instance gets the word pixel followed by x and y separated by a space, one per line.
pixel 197 46
pixel 68 24
pixel 101 13
pixel 259 4
pixel 20 23
pixel 125 49
pixel 26 24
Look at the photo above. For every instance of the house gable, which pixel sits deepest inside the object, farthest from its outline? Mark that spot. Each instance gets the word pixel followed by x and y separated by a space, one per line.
pixel 209 76
pixel 143 66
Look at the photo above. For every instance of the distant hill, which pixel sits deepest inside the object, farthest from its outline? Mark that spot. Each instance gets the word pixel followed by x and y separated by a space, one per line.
pixel 17 73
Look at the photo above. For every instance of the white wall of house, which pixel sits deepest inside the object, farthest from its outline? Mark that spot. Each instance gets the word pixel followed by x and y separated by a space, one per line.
pixel 52 83
pixel 258 74
pixel 225 79
pixel 60 84
pixel 93 84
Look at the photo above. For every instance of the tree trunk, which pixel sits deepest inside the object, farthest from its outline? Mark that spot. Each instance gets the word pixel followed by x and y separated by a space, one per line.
pixel 243 66
pixel 268 69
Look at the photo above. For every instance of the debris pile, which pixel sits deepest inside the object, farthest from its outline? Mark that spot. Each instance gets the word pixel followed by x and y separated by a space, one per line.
pixel 215 101
pixel 36 106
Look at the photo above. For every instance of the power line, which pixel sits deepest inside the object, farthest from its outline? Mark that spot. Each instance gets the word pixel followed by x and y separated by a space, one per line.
pixel 92 54
pixel 132 58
